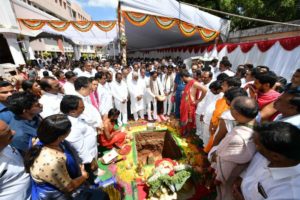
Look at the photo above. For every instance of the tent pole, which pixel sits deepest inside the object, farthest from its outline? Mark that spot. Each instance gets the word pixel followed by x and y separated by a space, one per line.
pixel 122 36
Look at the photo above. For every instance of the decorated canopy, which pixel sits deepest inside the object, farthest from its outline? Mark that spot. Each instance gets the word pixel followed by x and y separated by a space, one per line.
pixel 168 23
pixel 148 24
pixel 80 32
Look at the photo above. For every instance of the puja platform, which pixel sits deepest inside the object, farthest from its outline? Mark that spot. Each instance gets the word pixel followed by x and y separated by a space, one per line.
pixel 150 145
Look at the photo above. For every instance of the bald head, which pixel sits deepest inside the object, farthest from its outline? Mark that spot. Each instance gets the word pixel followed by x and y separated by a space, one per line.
pixel 245 106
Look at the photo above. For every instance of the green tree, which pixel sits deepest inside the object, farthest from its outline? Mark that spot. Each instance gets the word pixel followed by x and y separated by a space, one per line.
pixel 275 10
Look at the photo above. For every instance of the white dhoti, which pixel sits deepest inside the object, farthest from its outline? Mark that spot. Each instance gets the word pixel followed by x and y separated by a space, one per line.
pixel 122 107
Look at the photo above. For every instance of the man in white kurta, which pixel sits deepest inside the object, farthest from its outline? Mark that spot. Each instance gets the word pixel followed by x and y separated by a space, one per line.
pixel 51 98
pixel 119 91
pixel 136 91
pixel 105 96
pixel 154 89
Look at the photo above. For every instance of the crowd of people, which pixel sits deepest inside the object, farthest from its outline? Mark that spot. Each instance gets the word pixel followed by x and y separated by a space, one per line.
pixel 54 116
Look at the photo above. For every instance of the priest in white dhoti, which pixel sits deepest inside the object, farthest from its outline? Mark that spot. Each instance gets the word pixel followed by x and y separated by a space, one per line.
pixel 51 98
pixel 136 91
pixel 155 92
pixel 119 91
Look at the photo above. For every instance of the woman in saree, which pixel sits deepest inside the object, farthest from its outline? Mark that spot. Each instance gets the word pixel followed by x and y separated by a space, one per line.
pixel 53 165
pixel 111 137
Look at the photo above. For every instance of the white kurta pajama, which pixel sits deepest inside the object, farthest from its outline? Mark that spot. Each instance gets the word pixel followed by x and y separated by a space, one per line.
pixel 136 88
pixel 120 93
pixel 105 98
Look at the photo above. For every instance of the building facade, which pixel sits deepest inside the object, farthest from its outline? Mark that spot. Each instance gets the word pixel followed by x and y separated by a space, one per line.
pixel 65 10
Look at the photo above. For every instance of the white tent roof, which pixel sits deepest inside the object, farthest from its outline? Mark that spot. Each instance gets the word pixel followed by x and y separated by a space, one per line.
pixel 8 22
pixel 92 37
pixel 147 37
pixel 150 36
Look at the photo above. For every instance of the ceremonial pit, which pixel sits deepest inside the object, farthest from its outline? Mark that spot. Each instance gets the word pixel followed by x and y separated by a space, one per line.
pixel 156 145
pixel 162 141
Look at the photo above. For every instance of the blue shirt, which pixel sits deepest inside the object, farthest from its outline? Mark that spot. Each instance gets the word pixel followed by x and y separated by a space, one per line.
pixel 180 83
pixel 5 114
pixel 25 131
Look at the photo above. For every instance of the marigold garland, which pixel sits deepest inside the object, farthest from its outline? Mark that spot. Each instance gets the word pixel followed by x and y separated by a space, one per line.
pixel 164 23
pixel 58 25
pixel 33 24
pixel 83 26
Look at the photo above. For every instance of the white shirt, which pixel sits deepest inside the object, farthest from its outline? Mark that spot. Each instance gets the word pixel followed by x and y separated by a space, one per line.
pixel 51 104
pixel 278 183
pixel 14 182
pixel 69 88
pixel 83 139
pixel 119 91
pixel 78 71
pixel 210 105
pixel 136 88
pixel 90 114
pixel 89 74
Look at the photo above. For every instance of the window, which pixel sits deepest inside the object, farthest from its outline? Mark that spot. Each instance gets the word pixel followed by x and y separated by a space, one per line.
pixel 65 5
pixel 55 1
pixel 60 2
pixel 74 14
